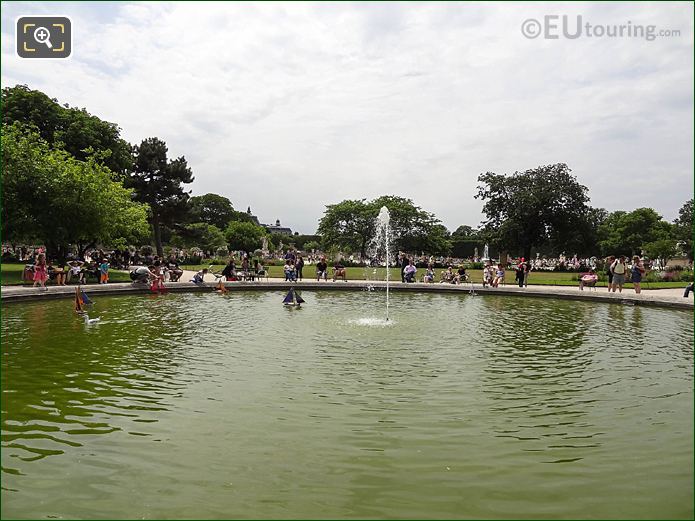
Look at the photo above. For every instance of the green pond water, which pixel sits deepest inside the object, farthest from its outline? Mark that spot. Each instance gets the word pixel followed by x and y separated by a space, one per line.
pixel 212 406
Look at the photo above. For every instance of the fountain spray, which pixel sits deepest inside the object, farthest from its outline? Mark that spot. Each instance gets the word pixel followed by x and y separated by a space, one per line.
pixel 384 220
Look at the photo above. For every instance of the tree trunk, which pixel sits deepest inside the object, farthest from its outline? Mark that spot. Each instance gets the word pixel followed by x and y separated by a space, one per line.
pixel 157 230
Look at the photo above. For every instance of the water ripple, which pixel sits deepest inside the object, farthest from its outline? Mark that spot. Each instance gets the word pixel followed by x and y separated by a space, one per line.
pixel 201 405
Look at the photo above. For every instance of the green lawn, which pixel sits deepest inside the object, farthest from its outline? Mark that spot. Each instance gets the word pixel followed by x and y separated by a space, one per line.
pixel 11 274
pixel 535 277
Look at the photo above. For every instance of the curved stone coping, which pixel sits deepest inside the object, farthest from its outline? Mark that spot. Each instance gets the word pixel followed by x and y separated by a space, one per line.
pixel 23 294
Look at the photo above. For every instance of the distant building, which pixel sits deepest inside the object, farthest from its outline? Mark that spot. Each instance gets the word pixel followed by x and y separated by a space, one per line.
pixel 253 217
pixel 270 228
pixel 277 228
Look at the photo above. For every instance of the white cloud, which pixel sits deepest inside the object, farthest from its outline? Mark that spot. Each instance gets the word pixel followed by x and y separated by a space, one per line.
pixel 289 107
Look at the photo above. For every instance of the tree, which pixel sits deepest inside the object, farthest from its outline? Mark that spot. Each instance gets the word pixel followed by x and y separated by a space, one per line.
pixel 312 246
pixel 50 196
pixel 74 130
pixel 540 206
pixel 158 182
pixel 626 233
pixel 205 236
pixel 414 229
pixel 683 228
pixel 243 217
pixel 244 236
pixel 465 232
pixel 663 249
pixel 211 209
pixel 464 241
pixel 351 225
pixel 301 241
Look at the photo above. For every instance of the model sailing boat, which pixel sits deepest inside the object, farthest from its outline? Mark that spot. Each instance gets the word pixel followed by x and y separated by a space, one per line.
pixel 293 298
pixel 81 300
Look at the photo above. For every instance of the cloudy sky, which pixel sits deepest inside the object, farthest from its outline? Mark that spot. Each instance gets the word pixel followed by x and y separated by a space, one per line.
pixel 288 107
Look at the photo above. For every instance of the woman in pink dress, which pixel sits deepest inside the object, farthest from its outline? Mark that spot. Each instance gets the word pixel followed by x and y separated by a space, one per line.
pixel 41 271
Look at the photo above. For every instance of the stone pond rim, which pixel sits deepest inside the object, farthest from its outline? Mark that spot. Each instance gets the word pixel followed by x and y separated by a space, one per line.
pixel 9 294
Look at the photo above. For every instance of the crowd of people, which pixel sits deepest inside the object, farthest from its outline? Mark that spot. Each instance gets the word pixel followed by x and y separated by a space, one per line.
pixel 42 271
pixel 146 267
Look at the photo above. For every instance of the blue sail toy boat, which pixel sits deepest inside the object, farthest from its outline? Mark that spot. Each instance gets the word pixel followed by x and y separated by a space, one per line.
pixel 293 299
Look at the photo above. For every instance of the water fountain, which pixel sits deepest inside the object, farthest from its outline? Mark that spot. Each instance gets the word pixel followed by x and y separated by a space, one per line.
pixel 383 221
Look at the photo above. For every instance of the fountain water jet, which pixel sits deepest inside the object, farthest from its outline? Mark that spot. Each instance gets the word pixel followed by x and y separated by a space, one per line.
pixel 382 236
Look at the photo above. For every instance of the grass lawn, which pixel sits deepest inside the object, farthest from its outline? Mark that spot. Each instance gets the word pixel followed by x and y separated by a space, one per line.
pixel 11 275
pixel 535 277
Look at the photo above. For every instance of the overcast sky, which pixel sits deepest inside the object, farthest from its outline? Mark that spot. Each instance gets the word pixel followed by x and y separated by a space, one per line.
pixel 288 107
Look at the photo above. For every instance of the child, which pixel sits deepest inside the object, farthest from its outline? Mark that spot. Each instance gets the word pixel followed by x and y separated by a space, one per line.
pixel 41 272
pixel 499 276
pixel 104 271
pixel 289 270
pixel 199 277
pixel 487 275
pixel 429 275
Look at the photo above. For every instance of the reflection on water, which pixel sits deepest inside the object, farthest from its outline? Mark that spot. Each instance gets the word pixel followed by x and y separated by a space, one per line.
pixel 218 406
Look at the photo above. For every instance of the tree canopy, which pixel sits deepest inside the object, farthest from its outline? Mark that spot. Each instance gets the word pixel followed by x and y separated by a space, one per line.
pixel 544 206
pixel 51 196
pixel 244 236
pixel 158 182
pixel 74 130
pixel 206 236
pixel 626 233
pixel 683 228
pixel 351 225
pixel 212 209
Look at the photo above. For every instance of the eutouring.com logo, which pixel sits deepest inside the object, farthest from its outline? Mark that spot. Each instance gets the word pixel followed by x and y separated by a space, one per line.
pixel 555 27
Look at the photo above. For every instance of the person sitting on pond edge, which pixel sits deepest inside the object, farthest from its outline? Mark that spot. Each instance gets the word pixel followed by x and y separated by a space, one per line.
pixel 339 271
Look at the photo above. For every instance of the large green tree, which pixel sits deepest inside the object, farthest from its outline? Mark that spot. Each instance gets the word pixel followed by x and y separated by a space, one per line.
pixel 207 237
pixel 75 130
pixel 244 236
pixel 627 233
pixel 542 206
pixel 464 241
pixel 212 209
pixel 683 228
pixel 158 182
pixel 351 225
pixel 50 196
pixel 414 229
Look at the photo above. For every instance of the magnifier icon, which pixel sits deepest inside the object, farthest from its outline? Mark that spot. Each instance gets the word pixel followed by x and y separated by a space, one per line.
pixel 42 35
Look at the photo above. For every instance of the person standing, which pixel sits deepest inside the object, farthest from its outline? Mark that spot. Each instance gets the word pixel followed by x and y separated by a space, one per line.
pixel 298 266
pixel 41 272
pixel 519 275
pixel 104 271
pixel 636 273
pixel 609 272
pixel 619 268
pixel 229 271
pixel 527 270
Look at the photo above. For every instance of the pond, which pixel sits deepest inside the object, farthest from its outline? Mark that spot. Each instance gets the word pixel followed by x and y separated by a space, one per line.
pixel 232 406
